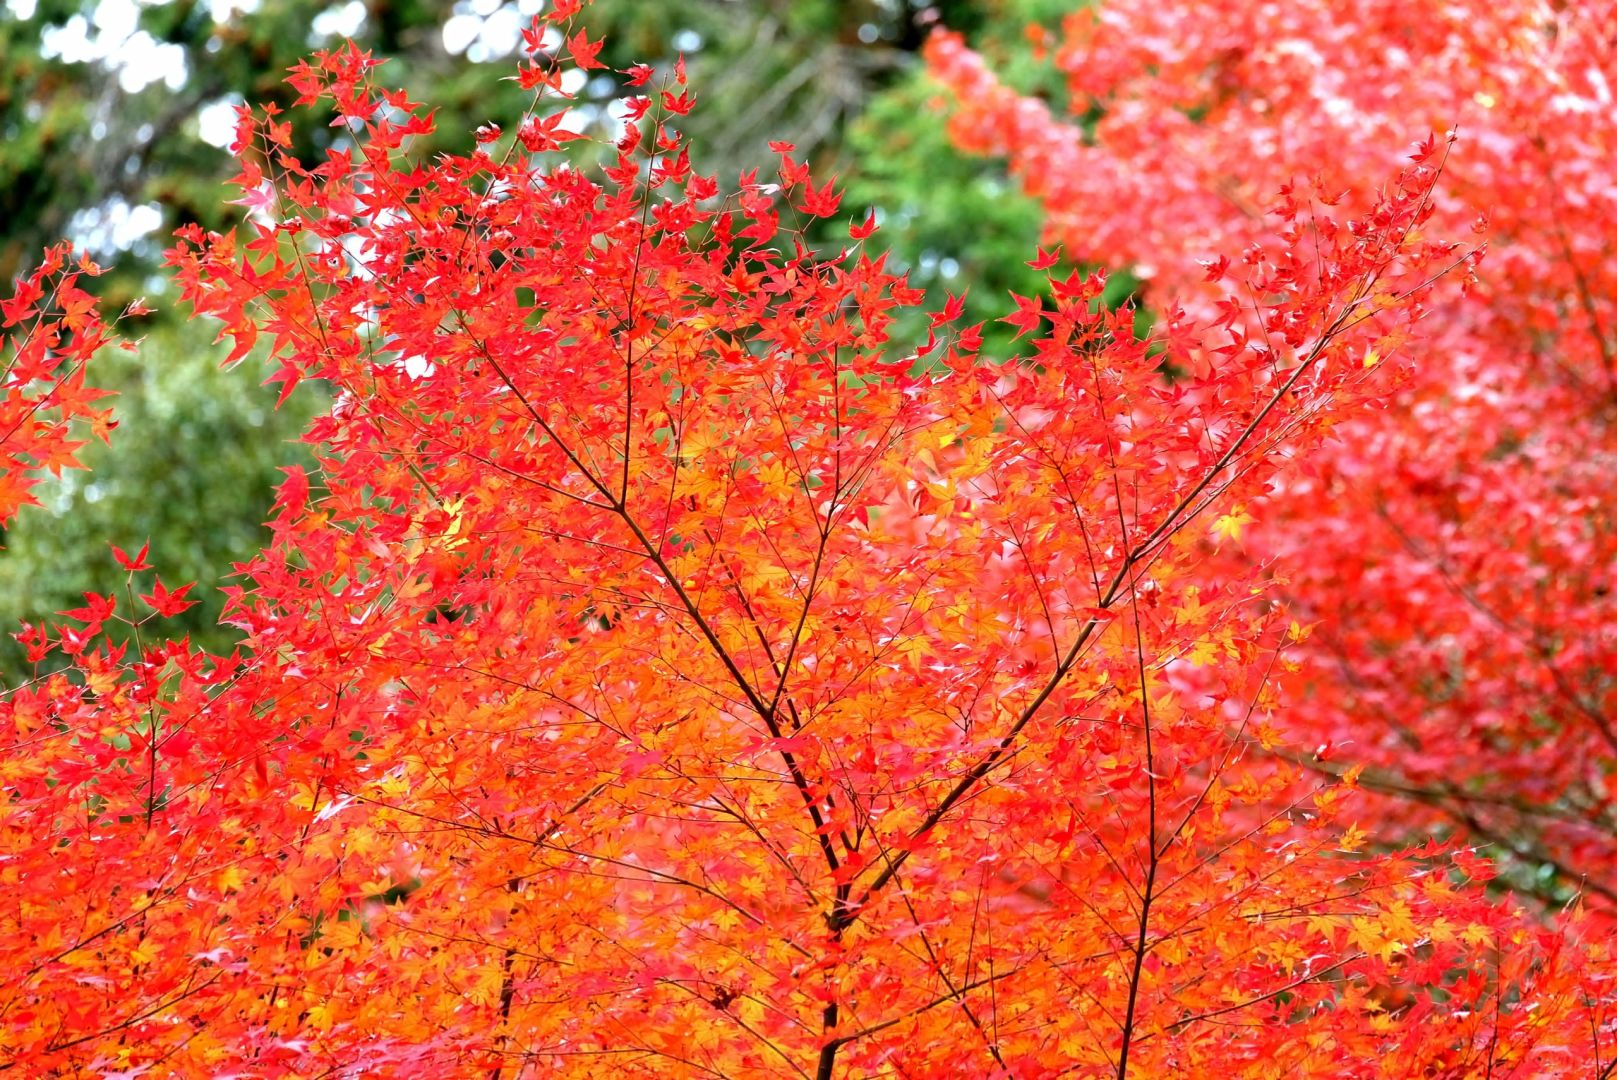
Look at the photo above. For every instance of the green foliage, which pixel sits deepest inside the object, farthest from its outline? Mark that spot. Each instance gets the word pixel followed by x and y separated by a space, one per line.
pixel 956 224
pixel 190 468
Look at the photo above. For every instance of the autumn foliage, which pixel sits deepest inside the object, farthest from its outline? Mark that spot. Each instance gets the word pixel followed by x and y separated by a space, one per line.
pixel 1456 549
pixel 667 674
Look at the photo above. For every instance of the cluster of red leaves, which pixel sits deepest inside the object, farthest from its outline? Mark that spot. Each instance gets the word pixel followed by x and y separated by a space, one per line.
pixel 1457 549
pixel 671 676
pixel 51 330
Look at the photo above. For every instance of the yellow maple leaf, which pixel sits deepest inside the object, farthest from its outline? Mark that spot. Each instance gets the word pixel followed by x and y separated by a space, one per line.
pixel 1231 524
pixel 143 954
pixel 1366 935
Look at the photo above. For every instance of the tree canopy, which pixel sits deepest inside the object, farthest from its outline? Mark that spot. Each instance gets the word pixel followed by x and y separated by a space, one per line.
pixel 660 665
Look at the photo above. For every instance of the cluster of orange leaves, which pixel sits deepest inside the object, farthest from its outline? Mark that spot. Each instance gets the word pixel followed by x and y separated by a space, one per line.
pixel 666 674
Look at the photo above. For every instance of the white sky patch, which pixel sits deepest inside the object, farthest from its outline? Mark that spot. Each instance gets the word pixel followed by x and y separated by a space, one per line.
pixel 222 10
pixel 70 41
pixel 338 22
pixel 216 122
pixel 487 29
pixel 502 32
pixel 111 36
pixel 143 60
pixel 22 9
pixel 419 367
pixel 114 225
pixel 460 31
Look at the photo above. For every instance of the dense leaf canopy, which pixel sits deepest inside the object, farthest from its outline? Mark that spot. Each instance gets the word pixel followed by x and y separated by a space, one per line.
pixel 662 668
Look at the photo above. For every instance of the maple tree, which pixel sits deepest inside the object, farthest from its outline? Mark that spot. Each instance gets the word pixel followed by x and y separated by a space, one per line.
pixel 1455 549
pixel 665 673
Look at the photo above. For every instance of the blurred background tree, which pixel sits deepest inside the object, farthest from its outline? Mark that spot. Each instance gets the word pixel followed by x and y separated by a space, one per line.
pixel 114 115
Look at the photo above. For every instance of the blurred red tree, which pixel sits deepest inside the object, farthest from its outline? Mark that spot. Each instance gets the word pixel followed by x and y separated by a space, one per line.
pixel 1456 549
